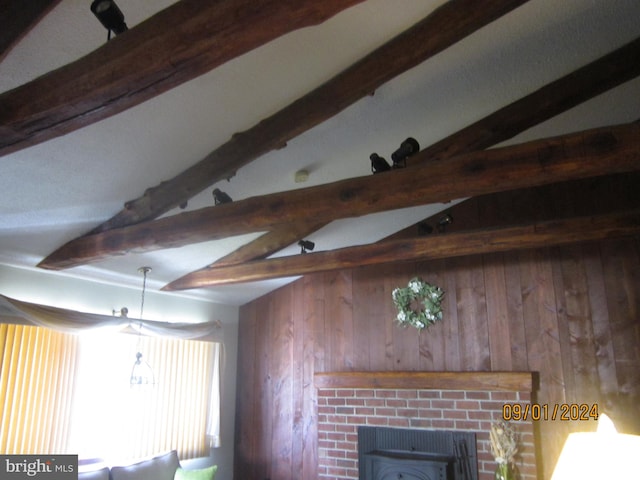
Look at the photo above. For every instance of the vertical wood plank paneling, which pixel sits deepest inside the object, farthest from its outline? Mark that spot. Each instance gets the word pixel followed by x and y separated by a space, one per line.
pixel 540 317
pixel 315 294
pixel 404 341
pixel 543 345
pixel 513 292
pixel 466 216
pixel 339 308
pixel 263 397
pixel 311 321
pixel 497 313
pixel 299 390
pixel 577 313
pixel 564 334
pixel 458 330
pixel 604 354
pixel 375 328
pixel 521 205
pixel 365 317
pixel 622 282
pixel 432 341
pixel 622 278
pixel 386 318
pixel 281 369
pixel 451 327
pixel 472 314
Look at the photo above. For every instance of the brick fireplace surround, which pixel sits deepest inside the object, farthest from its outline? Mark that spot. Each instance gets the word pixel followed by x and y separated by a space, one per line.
pixel 467 401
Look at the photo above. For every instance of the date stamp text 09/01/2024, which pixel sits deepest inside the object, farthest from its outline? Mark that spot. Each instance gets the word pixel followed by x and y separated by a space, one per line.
pixel 564 412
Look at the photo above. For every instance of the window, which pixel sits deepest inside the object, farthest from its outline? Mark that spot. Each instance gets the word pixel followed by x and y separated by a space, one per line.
pixel 98 413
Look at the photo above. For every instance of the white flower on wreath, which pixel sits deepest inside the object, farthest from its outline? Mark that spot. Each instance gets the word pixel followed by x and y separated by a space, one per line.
pixel 418 304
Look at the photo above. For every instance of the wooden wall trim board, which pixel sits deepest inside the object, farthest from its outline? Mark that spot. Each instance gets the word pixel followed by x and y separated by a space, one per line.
pixel 492 381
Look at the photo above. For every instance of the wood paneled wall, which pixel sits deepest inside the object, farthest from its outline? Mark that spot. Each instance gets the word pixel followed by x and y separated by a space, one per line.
pixel 570 313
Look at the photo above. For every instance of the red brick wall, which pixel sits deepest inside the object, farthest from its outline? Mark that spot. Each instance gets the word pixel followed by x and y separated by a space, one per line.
pixel 341 411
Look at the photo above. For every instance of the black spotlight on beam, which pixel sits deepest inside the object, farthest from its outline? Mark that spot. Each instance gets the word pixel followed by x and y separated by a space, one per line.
pixel 220 197
pixel 306 246
pixel 407 148
pixel 379 164
pixel 110 16
pixel 444 221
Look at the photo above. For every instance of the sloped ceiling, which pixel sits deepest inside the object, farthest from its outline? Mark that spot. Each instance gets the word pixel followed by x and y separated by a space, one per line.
pixel 60 189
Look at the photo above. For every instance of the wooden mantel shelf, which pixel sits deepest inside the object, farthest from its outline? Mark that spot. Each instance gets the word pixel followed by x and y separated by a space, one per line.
pixel 503 381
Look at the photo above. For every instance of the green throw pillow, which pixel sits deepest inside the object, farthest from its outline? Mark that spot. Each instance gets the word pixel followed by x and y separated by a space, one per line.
pixel 199 474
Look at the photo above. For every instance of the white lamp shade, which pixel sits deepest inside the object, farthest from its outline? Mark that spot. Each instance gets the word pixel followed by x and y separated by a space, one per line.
pixel 599 455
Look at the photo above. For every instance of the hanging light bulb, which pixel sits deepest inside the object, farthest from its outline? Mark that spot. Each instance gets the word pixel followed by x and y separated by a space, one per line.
pixel 142 373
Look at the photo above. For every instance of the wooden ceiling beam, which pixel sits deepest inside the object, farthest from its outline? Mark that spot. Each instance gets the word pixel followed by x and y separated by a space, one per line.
pixel 557 97
pixel 177 44
pixel 554 98
pixel 269 243
pixel 579 155
pixel 444 27
pixel 18 18
pixel 540 234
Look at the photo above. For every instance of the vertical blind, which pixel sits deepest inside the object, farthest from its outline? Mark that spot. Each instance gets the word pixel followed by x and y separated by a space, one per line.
pixel 37 371
pixel 66 393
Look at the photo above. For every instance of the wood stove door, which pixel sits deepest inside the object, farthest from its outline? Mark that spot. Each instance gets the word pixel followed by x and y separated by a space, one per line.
pixel 381 467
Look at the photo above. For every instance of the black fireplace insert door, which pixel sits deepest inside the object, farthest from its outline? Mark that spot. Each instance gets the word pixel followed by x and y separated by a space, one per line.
pixel 407 467
pixel 414 454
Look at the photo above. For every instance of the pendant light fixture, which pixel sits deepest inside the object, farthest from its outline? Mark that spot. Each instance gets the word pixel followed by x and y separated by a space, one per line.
pixel 142 373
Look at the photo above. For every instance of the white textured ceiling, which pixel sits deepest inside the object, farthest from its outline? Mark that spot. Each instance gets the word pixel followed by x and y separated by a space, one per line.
pixel 58 190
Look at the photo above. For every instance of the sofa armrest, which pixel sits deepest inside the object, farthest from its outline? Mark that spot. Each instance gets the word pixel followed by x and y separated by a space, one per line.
pixel 162 467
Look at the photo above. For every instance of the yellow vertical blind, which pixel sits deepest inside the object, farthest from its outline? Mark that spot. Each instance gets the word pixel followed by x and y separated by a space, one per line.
pixel 37 370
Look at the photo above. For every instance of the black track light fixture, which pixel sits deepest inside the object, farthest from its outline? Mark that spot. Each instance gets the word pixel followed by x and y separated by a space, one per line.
pixel 444 221
pixel 110 16
pixel 306 246
pixel 379 164
pixel 406 149
pixel 220 197
pixel 399 158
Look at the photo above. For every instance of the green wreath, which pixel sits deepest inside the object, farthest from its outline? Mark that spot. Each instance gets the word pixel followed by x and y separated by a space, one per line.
pixel 418 304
